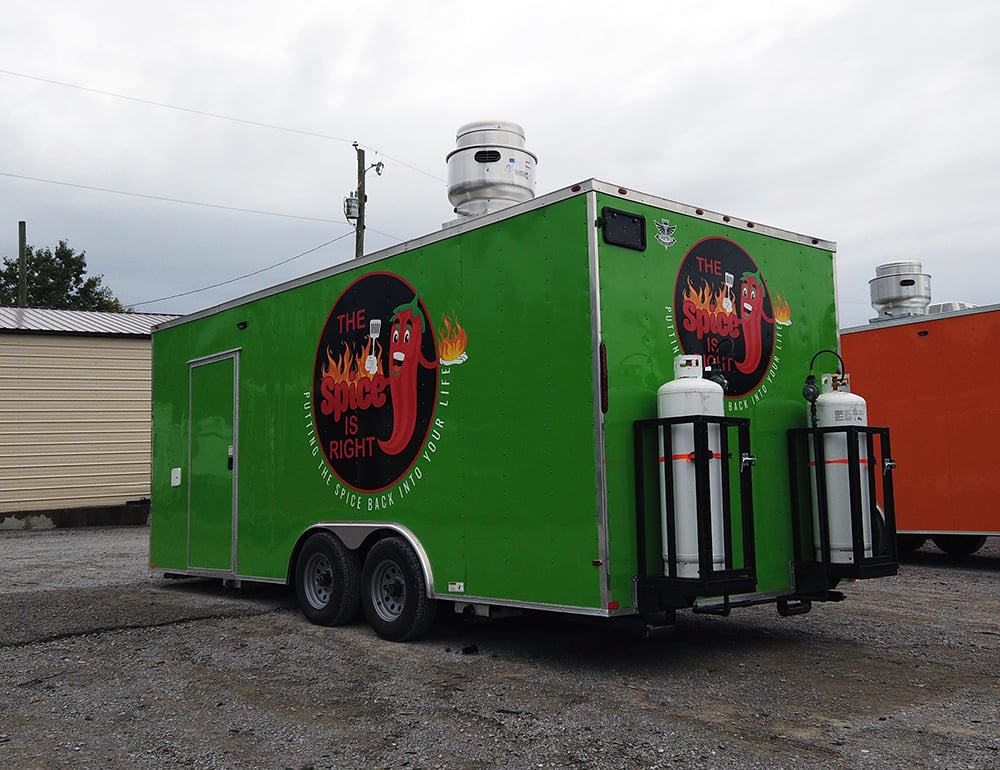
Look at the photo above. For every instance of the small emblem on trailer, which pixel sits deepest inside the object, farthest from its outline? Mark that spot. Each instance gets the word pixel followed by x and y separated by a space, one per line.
pixel 665 233
pixel 456 588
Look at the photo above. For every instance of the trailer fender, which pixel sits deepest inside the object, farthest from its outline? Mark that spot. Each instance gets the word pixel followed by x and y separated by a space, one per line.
pixel 361 535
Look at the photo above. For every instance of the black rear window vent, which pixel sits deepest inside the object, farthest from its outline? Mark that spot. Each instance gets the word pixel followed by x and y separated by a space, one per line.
pixel 487 156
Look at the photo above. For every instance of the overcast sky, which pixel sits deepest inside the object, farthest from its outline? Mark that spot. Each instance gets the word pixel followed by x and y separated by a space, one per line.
pixel 872 124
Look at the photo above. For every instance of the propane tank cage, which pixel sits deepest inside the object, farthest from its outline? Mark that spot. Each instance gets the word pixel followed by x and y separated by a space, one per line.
pixel 816 575
pixel 662 589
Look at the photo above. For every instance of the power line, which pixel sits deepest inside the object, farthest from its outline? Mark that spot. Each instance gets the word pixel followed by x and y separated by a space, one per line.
pixel 219 116
pixel 168 200
pixel 174 106
pixel 238 278
pixel 189 203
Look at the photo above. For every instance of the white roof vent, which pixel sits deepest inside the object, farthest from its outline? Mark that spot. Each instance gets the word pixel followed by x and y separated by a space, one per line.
pixel 490 169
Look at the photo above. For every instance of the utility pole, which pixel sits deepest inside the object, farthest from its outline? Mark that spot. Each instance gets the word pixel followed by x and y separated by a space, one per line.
pixel 354 204
pixel 22 269
pixel 359 228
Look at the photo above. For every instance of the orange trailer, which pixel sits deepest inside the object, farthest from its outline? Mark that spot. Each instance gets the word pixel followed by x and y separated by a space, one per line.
pixel 933 379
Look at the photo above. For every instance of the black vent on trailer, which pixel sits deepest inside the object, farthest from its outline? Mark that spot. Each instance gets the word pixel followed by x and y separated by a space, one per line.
pixel 623 228
pixel 487 156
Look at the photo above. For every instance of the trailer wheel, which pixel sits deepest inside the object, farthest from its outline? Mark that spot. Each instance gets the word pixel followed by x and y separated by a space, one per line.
pixel 327 580
pixel 959 545
pixel 394 592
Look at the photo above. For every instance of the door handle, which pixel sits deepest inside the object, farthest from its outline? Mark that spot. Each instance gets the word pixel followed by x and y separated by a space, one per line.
pixel 230 457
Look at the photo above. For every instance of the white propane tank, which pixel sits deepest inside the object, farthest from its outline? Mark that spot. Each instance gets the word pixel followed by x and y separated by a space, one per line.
pixel 837 407
pixel 686 395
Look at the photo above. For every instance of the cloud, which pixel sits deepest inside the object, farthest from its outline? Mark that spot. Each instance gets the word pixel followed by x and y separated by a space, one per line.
pixel 870 125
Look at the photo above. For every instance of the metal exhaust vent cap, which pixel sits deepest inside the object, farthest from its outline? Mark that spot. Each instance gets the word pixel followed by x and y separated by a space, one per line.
pixel 489 169
pixel 899 289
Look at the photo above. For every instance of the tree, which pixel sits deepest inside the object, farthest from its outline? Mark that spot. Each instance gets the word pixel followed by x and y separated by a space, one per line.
pixel 56 280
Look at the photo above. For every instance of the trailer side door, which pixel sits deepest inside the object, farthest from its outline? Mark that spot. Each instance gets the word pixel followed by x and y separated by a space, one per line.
pixel 213 456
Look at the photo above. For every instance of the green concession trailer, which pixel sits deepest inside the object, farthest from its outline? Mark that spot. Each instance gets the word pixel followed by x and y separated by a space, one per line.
pixel 507 414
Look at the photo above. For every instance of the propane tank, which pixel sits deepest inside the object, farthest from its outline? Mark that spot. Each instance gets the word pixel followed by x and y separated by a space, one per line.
pixel 837 407
pixel 686 395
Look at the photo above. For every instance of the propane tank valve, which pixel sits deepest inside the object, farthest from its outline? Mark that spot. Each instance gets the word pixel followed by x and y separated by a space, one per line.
pixel 840 382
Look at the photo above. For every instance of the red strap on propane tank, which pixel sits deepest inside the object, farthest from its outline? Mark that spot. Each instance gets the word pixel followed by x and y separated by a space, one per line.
pixel 689 456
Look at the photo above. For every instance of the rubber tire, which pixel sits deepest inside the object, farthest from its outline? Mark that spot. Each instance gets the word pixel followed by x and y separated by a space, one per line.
pixel 959 545
pixel 328 580
pixel 394 592
pixel 909 544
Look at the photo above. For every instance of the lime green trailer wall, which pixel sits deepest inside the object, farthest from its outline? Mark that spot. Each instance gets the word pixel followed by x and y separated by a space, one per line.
pixel 508 423
pixel 484 443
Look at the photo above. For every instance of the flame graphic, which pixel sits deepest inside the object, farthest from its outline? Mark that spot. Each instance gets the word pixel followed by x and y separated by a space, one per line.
pixel 782 311
pixel 708 300
pixel 453 341
pixel 349 367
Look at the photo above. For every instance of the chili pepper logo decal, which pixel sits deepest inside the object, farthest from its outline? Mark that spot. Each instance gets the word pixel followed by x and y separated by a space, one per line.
pixel 752 318
pixel 375 382
pixel 405 359
pixel 727 314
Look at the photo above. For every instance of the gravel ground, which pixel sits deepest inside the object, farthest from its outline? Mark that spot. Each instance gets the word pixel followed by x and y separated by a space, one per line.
pixel 102 665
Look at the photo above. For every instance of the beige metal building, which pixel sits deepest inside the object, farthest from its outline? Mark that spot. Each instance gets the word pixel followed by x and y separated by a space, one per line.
pixel 75 404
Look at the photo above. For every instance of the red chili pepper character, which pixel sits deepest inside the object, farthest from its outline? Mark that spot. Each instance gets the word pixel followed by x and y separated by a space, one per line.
pixel 752 317
pixel 405 356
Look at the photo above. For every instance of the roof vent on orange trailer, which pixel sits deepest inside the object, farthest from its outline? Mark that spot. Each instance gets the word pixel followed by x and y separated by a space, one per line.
pixel 898 290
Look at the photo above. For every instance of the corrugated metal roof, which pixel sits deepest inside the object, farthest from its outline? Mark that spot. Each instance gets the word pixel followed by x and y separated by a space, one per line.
pixel 31 319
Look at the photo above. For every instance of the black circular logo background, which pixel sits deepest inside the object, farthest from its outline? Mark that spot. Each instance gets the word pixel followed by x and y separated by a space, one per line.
pixel 703 271
pixel 350 444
